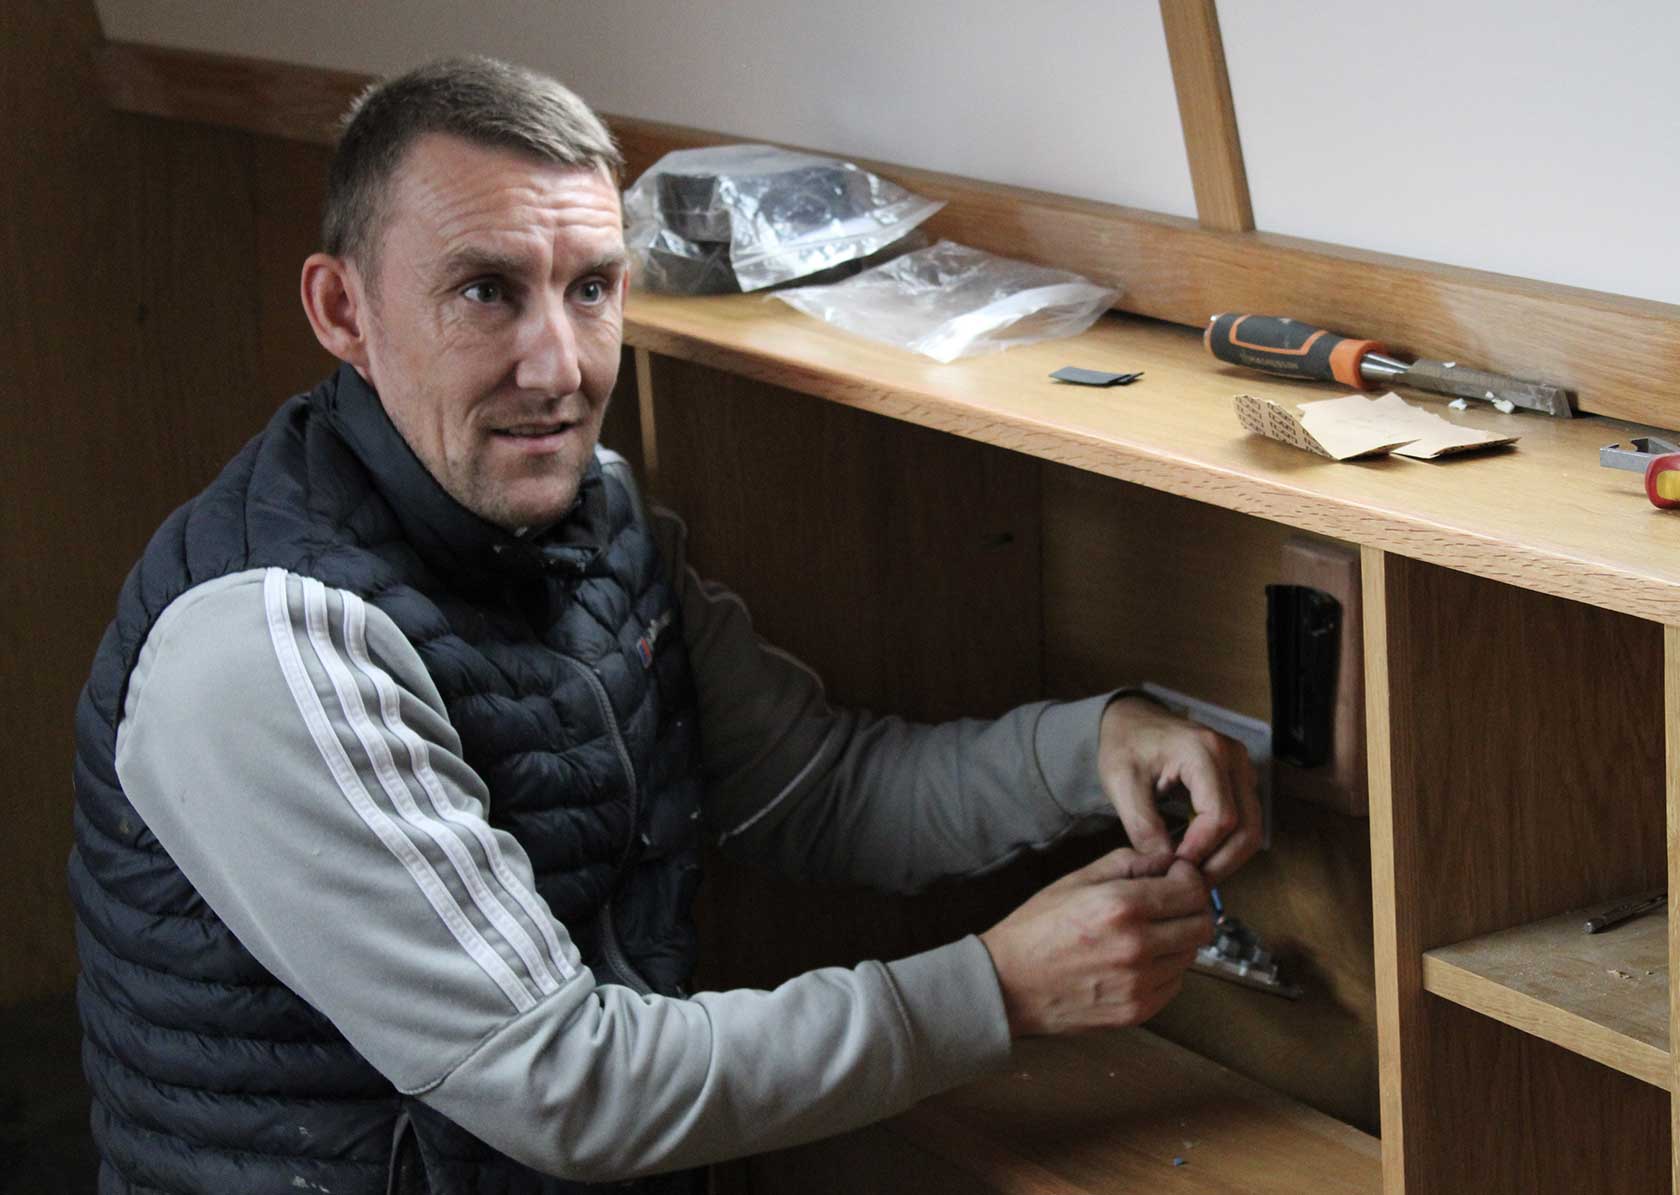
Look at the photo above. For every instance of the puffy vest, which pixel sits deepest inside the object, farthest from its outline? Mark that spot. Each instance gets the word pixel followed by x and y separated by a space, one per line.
pixel 208 1075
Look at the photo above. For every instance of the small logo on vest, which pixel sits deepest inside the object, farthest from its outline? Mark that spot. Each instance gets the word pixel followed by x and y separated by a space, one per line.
pixel 650 636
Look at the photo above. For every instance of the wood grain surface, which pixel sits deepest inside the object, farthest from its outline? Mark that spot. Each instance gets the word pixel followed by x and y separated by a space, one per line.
pixel 128 330
pixel 1508 1113
pixel 1113 608
pixel 1604 995
pixel 899 564
pixel 1541 515
pixel 1110 1113
pixel 255 95
pixel 1514 762
pixel 1209 118
pixel 1397 957
pixel 1526 749
pixel 1140 586
pixel 1168 267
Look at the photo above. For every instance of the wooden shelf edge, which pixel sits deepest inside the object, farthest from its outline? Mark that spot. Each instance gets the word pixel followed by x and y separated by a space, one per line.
pixel 1590 581
pixel 1535 1017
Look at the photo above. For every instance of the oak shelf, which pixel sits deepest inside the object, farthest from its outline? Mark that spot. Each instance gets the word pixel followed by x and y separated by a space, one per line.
pixel 1542 516
pixel 1111 1113
pixel 1604 996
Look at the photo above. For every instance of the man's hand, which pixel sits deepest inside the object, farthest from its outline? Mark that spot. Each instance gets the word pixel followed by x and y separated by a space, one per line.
pixel 1103 947
pixel 1144 751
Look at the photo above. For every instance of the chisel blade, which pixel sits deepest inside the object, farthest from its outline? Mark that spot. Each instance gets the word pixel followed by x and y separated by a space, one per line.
pixel 1445 377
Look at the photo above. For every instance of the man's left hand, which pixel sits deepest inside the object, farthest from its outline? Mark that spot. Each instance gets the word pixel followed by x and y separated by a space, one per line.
pixel 1144 751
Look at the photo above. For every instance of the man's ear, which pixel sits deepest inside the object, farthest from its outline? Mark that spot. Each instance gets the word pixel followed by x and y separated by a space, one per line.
pixel 336 304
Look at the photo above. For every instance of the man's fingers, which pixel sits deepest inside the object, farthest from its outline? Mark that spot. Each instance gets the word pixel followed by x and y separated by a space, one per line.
pixel 1134 800
pixel 1216 813
pixel 1179 894
pixel 1178 938
pixel 1240 846
pixel 1124 864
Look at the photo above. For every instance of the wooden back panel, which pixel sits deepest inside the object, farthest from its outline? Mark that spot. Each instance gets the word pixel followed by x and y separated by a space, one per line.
pixel 140 313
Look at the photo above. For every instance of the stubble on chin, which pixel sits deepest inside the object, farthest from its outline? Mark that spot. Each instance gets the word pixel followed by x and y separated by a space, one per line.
pixel 533 500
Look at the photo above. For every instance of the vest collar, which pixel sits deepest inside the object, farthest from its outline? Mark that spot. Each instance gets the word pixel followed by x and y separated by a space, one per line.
pixel 451 538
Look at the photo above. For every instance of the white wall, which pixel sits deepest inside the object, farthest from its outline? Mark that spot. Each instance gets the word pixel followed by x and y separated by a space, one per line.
pixel 1533 137
pixel 993 89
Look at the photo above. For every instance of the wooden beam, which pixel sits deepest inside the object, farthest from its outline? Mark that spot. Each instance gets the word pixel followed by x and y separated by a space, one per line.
pixel 650 427
pixel 1208 115
pixel 1620 354
pixel 277 99
pixel 1398 956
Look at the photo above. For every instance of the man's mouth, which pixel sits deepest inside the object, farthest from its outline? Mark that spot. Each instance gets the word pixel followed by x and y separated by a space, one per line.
pixel 535 431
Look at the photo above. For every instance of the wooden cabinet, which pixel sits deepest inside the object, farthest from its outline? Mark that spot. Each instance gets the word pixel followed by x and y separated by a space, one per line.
pixel 1520 633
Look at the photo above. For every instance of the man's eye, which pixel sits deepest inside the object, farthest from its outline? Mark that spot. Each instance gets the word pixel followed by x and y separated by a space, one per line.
pixel 593 291
pixel 484 292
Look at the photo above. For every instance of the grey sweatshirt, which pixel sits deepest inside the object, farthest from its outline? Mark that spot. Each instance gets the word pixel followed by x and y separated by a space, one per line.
pixel 289 750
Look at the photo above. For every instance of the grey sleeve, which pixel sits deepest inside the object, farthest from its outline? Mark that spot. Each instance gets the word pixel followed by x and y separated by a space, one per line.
pixel 283 742
pixel 843 796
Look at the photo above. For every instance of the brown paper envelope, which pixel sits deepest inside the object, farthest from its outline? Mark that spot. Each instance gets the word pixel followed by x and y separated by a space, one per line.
pixel 1340 437
pixel 1435 436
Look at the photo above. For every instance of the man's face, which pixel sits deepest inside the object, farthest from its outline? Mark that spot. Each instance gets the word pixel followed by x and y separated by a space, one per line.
pixel 495 321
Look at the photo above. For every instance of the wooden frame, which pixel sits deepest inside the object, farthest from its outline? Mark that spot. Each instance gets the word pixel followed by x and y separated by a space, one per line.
pixel 1500 518
pixel 1489 836
pixel 1619 354
pixel 1209 117
pixel 1518 759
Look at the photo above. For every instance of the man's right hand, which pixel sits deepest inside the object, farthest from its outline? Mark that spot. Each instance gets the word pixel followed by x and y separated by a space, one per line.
pixel 1103 947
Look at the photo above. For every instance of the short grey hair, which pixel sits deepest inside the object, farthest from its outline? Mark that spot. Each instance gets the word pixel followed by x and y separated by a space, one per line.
pixel 480 100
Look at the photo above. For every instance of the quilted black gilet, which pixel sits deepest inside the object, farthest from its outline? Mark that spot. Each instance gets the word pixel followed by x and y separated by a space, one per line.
pixel 560 660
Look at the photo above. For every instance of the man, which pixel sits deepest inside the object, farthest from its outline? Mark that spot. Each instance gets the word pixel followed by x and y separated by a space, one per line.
pixel 393 765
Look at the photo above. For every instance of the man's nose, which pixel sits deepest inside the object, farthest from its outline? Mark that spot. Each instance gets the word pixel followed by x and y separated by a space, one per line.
pixel 548 351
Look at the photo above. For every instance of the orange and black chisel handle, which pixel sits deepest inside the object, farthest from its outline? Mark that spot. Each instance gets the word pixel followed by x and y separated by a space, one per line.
pixel 1284 346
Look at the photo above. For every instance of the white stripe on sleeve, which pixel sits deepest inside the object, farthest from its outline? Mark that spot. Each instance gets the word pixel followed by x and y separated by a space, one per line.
pixel 395 784
pixel 284 636
pixel 535 908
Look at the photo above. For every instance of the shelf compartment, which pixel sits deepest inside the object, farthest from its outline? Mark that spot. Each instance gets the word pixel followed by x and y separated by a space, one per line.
pixel 1603 996
pixel 1107 1113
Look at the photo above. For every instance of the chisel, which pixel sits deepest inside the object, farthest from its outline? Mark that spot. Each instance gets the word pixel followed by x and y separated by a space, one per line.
pixel 1298 350
pixel 1627 910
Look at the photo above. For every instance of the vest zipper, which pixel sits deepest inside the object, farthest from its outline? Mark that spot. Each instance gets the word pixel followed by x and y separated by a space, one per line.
pixel 617 961
pixel 406 1174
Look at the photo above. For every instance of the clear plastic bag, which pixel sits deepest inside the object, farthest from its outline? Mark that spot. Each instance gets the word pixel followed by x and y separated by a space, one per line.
pixel 950 301
pixel 745 217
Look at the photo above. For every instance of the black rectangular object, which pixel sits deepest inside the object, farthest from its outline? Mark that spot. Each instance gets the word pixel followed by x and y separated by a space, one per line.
pixel 1303 639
